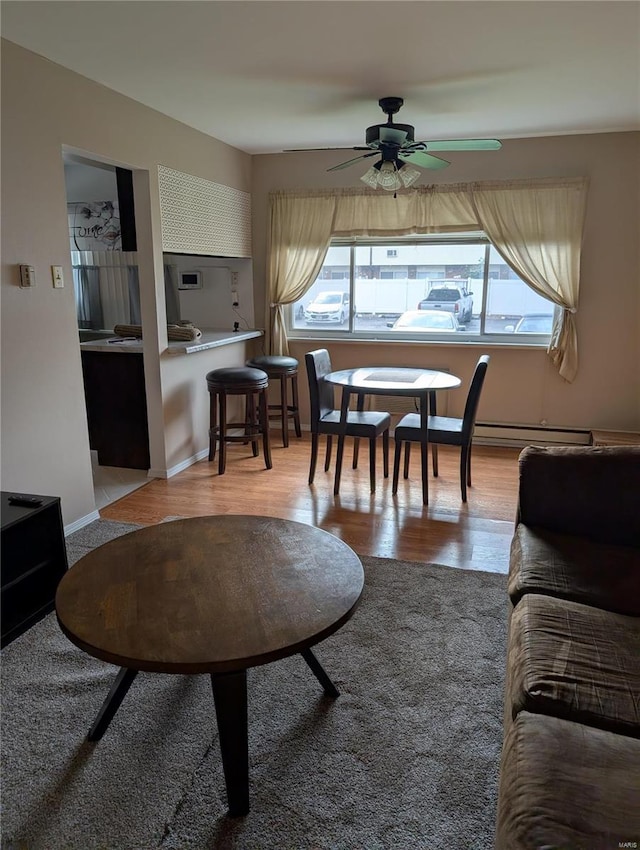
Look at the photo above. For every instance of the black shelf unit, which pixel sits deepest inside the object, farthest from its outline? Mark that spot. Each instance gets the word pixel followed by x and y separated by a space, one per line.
pixel 33 560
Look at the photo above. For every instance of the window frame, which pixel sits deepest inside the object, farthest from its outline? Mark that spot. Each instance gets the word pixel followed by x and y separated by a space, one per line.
pixel 349 333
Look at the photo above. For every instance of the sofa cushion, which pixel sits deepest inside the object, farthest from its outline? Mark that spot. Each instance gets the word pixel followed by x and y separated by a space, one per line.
pixel 574 568
pixel 587 491
pixel 565 785
pixel 574 661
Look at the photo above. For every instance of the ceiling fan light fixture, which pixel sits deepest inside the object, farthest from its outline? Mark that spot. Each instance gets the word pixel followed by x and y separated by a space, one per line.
pixel 370 177
pixel 386 175
pixel 388 180
pixel 408 175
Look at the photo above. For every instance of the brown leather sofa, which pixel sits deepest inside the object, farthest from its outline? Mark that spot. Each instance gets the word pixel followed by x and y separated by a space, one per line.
pixel 570 768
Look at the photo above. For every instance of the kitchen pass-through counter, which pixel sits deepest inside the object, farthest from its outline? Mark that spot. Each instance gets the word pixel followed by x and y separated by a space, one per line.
pixel 210 338
pixel 116 394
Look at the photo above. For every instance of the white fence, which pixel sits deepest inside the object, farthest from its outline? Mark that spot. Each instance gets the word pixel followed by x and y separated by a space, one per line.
pixel 506 298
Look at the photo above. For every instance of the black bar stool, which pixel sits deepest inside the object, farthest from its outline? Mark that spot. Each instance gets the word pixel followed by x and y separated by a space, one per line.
pixel 238 380
pixel 282 368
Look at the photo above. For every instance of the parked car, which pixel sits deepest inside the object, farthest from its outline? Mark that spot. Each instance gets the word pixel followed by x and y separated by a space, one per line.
pixel 430 321
pixel 328 307
pixel 532 323
pixel 452 299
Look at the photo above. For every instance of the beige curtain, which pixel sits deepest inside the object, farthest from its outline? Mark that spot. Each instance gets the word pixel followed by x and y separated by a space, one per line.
pixel 302 223
pixel 535 224
pixel 428 209
pixel 537 228
pixel 300 228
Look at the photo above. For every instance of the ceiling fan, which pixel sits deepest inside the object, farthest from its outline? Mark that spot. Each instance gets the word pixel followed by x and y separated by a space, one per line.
pixel 399 152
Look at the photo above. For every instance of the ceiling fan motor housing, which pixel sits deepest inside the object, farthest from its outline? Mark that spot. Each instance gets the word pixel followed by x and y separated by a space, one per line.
pixel 373 134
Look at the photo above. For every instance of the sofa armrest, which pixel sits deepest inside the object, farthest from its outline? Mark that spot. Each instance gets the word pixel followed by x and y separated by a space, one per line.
pixel 586 491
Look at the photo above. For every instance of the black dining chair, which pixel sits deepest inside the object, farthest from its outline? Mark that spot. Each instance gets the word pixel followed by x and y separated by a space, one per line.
pixel 325 419
pixel 442 430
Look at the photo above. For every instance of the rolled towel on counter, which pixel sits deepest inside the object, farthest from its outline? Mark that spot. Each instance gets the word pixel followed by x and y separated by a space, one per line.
pixel 175 333
pixel 128 330
pixel 181 333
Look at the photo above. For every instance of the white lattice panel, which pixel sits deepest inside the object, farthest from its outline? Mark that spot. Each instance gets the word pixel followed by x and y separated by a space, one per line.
pixel 201 217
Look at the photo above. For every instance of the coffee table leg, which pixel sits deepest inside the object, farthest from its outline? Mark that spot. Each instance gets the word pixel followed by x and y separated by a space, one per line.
pixel 320 674
pixel 117 693
pixel 230 698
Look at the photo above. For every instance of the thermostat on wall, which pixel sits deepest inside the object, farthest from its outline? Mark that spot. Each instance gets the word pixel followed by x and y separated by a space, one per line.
pixel 190 280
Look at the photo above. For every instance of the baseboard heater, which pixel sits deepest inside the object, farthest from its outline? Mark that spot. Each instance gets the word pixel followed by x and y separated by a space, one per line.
pixel 492 434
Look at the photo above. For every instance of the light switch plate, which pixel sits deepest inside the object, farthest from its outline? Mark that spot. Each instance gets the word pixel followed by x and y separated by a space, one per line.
pixel 27 276
pixel 57 277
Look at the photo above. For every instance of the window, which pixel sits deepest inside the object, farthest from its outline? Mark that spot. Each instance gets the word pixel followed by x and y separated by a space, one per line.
pixel 460 283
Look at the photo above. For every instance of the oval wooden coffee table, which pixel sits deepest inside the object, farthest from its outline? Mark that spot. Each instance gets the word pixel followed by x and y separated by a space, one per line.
pixel 212 595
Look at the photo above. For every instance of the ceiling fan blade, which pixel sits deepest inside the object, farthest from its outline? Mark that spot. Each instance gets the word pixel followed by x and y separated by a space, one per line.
pixel 392 135
pixel 356 159
pixel 302 150
pixel 459 145
pixel 422 160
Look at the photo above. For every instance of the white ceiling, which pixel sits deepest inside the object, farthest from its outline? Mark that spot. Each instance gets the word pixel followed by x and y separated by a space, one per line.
pixel 266 76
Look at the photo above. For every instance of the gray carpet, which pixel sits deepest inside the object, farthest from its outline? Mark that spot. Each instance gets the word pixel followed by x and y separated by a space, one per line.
pixel 406 758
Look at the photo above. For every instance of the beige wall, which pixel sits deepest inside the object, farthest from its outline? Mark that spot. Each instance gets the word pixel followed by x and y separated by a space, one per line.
pixel 44 443
pixel 45 447
pixel 521 387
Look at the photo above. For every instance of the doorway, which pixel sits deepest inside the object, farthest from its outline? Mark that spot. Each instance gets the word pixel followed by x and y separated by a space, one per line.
pixel 102 241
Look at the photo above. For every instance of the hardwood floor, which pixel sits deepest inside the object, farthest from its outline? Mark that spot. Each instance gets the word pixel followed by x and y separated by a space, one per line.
pixel 472 536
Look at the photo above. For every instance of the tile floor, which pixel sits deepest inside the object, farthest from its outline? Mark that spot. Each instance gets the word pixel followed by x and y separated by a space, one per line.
pixel 111 483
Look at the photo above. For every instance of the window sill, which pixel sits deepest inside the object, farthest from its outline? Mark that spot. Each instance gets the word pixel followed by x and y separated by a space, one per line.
pixel 470 342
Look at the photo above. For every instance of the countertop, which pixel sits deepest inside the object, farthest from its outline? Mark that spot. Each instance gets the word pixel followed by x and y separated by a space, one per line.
pixel 210 338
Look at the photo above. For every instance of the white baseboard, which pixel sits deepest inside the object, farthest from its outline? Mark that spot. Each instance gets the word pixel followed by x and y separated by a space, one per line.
pixel 179 467
pixel 152 473
pixel 80 523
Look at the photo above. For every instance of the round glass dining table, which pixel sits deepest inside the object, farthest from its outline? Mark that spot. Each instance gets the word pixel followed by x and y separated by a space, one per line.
pixel 422 384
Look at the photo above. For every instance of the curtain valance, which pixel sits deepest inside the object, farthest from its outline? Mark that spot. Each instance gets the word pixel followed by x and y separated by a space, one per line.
pixel 536 225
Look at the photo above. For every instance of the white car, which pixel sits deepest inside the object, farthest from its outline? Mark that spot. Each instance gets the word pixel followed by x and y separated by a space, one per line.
pixel 429 321
pixel 532 323
pixel 328 307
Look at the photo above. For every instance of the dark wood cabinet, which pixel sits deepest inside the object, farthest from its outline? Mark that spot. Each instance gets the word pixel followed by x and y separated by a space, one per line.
pixel 34 559
pixel 116 400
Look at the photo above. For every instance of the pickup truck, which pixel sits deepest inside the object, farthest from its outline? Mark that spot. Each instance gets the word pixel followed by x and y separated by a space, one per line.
pixel 450 298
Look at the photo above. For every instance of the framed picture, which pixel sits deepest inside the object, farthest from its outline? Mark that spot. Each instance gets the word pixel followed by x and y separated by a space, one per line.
pixel 94 226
